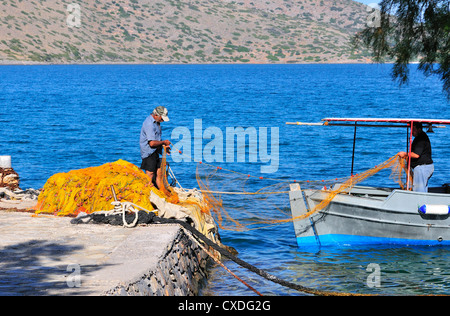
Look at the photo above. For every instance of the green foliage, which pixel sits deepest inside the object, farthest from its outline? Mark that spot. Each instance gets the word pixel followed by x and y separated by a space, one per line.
pixel 411 30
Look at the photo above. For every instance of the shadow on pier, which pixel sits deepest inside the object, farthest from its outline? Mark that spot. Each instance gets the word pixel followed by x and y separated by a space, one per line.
pixel 40 267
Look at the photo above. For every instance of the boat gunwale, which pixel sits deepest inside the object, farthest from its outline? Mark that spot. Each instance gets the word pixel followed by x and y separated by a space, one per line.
pixel 380 208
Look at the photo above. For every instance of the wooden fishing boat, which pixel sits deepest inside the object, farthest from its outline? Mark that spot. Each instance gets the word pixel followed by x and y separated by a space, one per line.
pixel 365 215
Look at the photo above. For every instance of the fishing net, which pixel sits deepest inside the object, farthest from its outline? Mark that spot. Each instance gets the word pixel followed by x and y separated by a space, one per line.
pixel 225 195
pixel 235 207
pixel 89 190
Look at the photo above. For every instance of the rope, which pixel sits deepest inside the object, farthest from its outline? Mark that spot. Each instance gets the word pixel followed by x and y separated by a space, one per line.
pixel 217 260
pixel 125 207
pixel 250 267
pixel 199 238
pixel 119 208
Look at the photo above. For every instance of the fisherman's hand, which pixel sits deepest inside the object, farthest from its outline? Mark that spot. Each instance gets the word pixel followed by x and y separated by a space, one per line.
pixel 166 142
pixel 402 154
pixel 167 147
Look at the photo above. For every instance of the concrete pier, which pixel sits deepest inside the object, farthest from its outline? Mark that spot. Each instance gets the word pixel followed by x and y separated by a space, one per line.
pixel 47 255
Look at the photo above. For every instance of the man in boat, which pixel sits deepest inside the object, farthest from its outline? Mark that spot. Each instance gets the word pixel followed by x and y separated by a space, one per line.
pixel 151 145
pixel 421 163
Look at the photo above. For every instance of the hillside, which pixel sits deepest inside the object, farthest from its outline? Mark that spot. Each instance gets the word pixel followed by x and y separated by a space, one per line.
pixel 181 31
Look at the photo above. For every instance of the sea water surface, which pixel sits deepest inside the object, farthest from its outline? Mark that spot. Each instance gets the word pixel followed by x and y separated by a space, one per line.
pixel 62 117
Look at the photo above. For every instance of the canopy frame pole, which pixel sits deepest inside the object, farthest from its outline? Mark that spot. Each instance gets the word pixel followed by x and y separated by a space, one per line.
pixel 407 139
pixel 353 153
pixel 409 156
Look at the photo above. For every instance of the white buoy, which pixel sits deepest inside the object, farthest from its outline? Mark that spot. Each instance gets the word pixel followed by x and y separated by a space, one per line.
pixel 5 162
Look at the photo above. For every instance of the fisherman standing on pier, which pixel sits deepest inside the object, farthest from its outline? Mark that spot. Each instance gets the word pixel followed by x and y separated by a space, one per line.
pixel 151 145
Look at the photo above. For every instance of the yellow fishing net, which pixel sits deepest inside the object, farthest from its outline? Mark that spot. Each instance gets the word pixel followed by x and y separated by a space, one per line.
pixel 236 208
pixel 89 190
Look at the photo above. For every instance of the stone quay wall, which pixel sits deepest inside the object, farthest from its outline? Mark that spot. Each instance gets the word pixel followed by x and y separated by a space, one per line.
pixel 179 272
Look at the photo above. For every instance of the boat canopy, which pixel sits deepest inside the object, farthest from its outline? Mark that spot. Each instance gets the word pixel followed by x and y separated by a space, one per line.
pixel 388 120
pixel 394 122
pixel 380 122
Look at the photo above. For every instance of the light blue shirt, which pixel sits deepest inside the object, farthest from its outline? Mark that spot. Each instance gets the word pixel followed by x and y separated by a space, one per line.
pixel 151 130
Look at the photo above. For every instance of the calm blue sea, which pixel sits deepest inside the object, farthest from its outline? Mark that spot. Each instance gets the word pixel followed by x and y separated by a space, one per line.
pixel 63 117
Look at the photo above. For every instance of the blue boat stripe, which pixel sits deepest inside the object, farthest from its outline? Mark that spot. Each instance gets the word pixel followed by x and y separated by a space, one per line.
pixel 350 240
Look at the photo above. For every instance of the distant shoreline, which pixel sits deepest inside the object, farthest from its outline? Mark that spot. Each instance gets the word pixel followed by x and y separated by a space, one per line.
pixel 33 63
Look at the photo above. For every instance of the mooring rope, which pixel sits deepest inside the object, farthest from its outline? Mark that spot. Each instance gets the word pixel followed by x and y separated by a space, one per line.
pixel 200 237
pixel 217 260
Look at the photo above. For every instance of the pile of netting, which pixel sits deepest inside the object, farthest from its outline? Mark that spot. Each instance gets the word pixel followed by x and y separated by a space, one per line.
pixel 236 208
pixel 94 189
pixel 89 190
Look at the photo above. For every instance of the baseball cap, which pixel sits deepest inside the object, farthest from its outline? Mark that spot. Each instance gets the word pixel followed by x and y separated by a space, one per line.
pixel 163 112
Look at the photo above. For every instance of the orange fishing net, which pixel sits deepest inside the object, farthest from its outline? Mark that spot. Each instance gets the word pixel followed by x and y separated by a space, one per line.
pixel 396 164
pixel 89 190
pixel 225 193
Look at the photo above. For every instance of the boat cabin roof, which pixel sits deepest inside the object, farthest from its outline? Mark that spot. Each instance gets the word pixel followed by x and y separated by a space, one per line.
pixel 379 122
pixel 388 120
